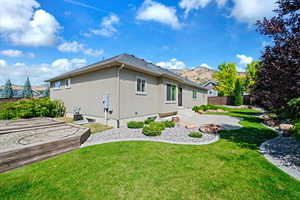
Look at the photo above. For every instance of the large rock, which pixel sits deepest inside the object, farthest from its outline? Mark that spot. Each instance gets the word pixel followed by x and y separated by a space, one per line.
pixel 200 112
pixel 175 119
pixel 286 127
pixel 190 126
pixel 272 122
pixel 210 128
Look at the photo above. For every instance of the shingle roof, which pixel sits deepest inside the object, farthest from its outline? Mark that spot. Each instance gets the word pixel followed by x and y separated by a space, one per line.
pixel 133 61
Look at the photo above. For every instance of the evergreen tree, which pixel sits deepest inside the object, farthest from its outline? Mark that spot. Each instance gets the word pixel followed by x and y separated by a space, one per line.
pixel 238 93
pixel 27 91
pixel 7 91
pixel 46 93
pixel 251 75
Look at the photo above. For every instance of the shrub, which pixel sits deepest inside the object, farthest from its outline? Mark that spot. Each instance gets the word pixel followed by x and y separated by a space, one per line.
pixel 169 124
pixel 134 124
pixel 297 130
pixel 149 120
pixel 238 93
pixel 160 125
pixel 29 108
pixel 293 107
pixel 196 134
pixel 152 130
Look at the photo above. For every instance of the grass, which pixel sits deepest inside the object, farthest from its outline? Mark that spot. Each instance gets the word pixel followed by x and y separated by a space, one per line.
pixel 97 127
pixel 231 168
pixel 65 119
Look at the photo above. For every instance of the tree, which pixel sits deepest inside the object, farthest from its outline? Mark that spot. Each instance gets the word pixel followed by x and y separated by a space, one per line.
pixel 27 91
pixel 278 78
pixel 46 92
pixel 238 93
pixel 226 78
pixel 7 91
pixel 251 75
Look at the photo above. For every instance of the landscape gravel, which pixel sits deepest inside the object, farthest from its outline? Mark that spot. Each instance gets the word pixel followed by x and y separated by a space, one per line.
pixel 176 135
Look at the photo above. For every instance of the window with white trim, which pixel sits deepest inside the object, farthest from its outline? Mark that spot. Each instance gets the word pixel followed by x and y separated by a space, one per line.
pixel 68 83
pixel 56 84
pixel 171 92
pixel 194 94
pixel 141 85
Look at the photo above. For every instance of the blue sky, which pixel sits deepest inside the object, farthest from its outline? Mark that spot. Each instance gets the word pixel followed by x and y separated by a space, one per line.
pixel 42 38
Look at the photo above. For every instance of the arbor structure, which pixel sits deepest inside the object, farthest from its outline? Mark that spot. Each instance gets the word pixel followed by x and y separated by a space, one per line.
pixel 278 78
pixel 7 91
pixel 226 78
pixel 27 90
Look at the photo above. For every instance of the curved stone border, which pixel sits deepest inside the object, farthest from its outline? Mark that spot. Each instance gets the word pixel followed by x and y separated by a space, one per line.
pixel 264 150
pixel 152 139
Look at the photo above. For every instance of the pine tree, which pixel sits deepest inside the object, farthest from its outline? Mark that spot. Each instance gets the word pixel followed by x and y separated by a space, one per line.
pixel 7 91
pixel 46 93
pixel 238 93
pixel 27 91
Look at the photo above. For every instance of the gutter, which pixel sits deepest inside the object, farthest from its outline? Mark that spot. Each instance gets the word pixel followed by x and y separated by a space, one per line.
pixel 119 95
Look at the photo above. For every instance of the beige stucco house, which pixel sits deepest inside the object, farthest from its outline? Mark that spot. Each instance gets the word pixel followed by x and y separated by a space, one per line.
pixel 131 89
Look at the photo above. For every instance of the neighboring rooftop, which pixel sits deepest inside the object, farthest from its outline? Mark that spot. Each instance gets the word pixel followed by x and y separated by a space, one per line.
pixel 132 61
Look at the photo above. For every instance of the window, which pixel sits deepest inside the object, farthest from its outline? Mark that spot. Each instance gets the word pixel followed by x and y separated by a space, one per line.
pixel 68 83
pixel 194 94
pixel 171 92
pixel 56 84
pixel 141 85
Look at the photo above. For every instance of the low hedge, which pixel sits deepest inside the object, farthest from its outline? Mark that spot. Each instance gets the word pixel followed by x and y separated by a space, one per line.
pixel 134 124
pixel 196 134
pixel 208 107
pixel 29 108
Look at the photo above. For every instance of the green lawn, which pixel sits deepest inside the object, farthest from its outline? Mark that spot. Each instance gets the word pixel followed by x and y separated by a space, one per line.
pixel 96 127
pixel 229 169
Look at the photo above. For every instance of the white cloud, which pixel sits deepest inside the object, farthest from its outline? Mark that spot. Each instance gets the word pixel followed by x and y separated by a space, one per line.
pixel 251 11
pixel 16 53
pixel 172 64
pixel 22 24
pixel 155 11
pixel 107 28
pixel 75 47
pixel 37 73
pixel 205 65
pixel 189 5
pixel 244 60
pixel 248 11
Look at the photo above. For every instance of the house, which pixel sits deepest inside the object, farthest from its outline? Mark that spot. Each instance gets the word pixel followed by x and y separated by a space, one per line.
pixel 125 88
pixel 210 86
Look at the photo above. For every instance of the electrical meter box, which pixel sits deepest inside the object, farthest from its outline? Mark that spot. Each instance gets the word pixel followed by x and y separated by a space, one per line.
pixel 105 101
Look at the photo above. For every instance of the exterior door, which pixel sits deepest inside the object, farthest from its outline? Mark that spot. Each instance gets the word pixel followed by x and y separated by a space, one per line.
pixel 179 96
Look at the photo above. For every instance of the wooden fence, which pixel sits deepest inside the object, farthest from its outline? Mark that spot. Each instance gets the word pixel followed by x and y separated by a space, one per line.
pixel 227 100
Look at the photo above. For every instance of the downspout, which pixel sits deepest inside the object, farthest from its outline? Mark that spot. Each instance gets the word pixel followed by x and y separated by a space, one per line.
pixel 119 94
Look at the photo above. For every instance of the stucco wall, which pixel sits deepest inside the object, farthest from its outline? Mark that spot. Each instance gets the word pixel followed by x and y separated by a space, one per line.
pixel 133 104
pixel 87 91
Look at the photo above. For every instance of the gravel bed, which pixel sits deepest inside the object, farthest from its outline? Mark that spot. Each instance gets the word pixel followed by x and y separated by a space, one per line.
pixel 176 135
pixel 284 152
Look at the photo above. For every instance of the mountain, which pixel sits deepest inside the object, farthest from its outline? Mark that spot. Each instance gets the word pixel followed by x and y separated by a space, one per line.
pixel 200 74
pixel 38 88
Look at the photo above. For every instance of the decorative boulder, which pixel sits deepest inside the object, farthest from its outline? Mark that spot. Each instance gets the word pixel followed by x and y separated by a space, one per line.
pixel 210 128
pixel 200 112
pixel 287 133
pixel 175 119
pixel 286 127
pixel 190 126
pixel 272 122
